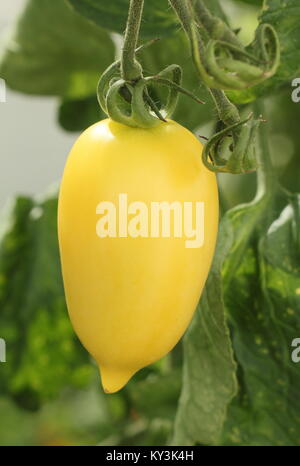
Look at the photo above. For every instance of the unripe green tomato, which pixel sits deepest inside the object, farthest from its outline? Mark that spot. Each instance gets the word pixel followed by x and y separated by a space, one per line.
pixel 132 290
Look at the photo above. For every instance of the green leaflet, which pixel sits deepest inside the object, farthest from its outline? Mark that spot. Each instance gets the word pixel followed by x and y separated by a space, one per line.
pixel 43 355
pixel 54 51
pixel 158 20
pixel 79 114
pixel 157 395
pixel 285 17
pixel 264 306
pixel 209 374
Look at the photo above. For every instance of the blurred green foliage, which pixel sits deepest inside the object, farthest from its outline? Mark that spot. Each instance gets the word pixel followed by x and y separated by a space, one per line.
pixel 34 321
pixel 158 19
pixel 53 51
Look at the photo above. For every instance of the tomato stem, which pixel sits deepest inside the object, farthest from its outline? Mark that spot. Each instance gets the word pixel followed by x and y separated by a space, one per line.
pixel 131 70
pixel 215 27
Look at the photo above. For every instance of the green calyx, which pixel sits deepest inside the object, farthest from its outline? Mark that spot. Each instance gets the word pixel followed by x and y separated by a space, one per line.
pixel 232 67
pixel 223 64
pixel 123 91
pixel 232 149
pixel 129 101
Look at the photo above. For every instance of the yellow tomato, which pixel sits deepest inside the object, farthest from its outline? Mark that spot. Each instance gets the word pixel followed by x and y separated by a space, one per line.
pixel 130 298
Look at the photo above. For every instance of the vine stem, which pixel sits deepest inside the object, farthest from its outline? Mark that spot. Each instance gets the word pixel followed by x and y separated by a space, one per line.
pixel 215 26
pixel 130 68
pixel 184 12
pixel 227 111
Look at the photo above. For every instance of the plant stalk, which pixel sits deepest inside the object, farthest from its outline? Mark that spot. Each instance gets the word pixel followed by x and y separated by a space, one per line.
pixel 130 68
pixel 215 26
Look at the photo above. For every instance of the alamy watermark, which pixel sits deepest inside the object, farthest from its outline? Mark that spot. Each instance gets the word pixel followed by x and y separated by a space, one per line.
pixel 2 90
pixel 296 352
pixel 2 350
pixel 161 220
pixel 296 91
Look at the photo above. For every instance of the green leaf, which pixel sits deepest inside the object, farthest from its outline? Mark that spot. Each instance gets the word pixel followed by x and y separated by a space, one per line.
pixel 209 373
pixel 157 395
pixel 285 17
pixel 43 354
pixel 264 306
pixel 158 18
pixel 209 377
pixel 54 51
pixel 79 114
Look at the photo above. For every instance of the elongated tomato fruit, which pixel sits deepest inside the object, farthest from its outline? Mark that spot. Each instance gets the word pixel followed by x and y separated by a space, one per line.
pixel 137 221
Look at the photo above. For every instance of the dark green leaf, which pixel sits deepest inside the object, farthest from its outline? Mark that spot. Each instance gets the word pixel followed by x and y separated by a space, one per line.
pixel 157 395
pixel 264 306
pixel 209 382
pixel 54 51
pixel 77 115
pixel 158 18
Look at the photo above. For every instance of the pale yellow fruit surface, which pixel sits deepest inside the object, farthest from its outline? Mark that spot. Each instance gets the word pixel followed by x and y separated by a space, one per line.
pixel 130 299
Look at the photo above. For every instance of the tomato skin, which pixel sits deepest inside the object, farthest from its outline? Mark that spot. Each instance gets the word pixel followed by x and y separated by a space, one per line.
pixel 131 299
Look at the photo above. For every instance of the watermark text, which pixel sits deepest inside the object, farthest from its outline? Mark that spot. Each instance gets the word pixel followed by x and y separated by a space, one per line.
pixel 296 352
pixel 2 350
pixel 159 220
pixel 2 90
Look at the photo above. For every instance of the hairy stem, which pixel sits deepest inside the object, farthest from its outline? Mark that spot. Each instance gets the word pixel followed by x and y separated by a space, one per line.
pixel 227 111
pixel 130 68
pixel 216 28
pixel 184 12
